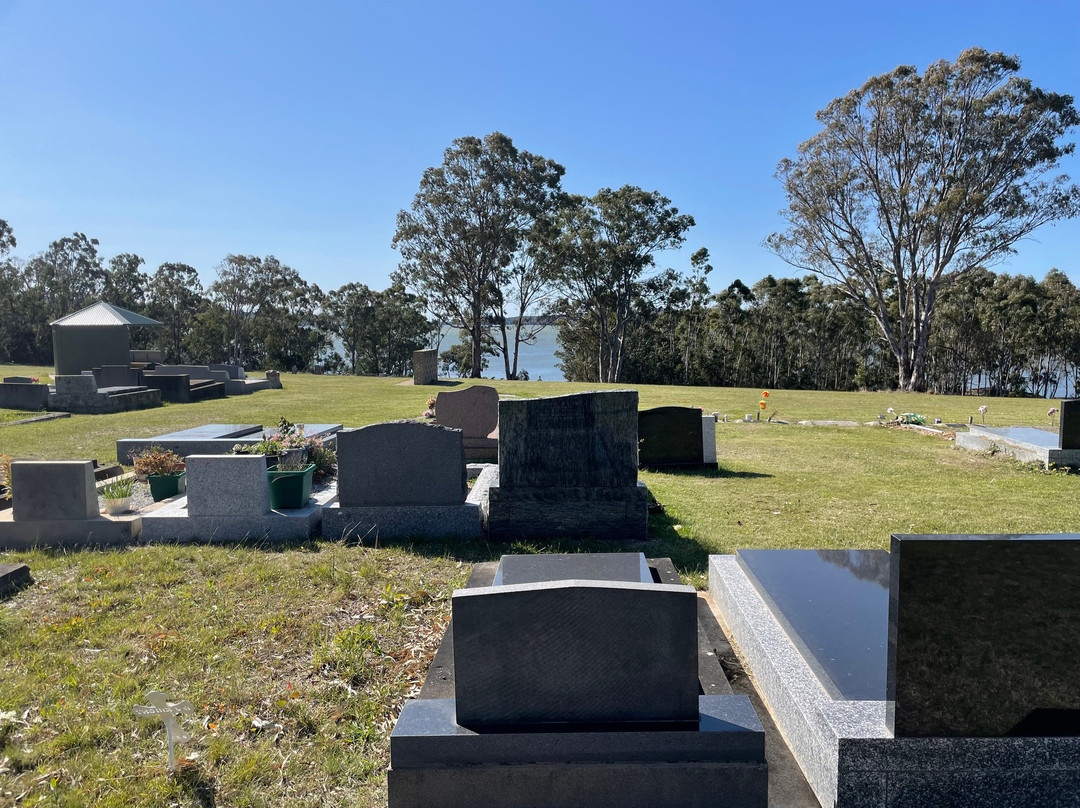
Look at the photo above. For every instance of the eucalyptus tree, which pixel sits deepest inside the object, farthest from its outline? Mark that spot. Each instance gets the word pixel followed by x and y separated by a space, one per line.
pixel 125 284
pixel 69 274
pixel 470 218
pixel 378 330
pixel 175 297
pixel 916 178
pixel 610 244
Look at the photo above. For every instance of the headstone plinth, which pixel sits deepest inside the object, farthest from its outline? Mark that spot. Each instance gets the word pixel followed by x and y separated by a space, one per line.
pixel 55 504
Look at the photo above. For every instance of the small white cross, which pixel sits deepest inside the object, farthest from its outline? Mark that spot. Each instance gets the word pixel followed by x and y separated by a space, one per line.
pixel 167 710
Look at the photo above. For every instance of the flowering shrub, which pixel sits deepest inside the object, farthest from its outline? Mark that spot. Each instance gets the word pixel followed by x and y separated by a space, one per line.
pixel 158 461
pixel 291 436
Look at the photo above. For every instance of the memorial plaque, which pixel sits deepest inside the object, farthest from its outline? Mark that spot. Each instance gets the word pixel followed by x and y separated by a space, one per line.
pixel 984 636
pixel 670 437
pixel 1069 425
pixel 584 440
pixel 532 569
pixel 575 652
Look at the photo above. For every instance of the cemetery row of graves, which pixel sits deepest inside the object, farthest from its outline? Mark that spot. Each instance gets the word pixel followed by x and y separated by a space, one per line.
pixel 558 532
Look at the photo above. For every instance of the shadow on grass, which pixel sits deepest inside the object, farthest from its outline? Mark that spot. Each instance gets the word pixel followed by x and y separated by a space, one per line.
pixel 714 474
pixel 195 783
pixel 688 555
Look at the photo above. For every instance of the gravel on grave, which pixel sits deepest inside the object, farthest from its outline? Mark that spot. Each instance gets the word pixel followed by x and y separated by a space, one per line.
pixel 141 498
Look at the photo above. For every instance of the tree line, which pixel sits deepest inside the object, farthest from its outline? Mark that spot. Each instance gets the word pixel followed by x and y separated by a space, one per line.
pixel 257 311
pixel 916 183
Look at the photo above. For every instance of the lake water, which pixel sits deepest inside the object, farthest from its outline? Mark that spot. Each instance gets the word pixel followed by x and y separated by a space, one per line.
pixel 538 359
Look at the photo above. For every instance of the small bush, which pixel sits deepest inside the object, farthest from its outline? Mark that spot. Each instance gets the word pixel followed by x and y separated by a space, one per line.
pixel 156 460
pixel 118 489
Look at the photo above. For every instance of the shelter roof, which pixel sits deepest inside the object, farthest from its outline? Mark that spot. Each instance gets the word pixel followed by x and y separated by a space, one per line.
pixel 104 314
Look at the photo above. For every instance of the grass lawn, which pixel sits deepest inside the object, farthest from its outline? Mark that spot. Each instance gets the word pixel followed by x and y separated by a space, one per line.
pixel 297 658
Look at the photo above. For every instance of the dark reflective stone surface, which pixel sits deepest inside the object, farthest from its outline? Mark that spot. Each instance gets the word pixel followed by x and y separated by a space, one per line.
pixel 532 569
pixel 669 436
pixel 984 636
pixel 834 605
pixel 1025 434
pixel 1069 425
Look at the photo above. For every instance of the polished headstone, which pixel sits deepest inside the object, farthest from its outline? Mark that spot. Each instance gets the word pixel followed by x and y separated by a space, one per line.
pixel 1069 425
pixel 573 652
pixel 584 440
pixel 670 436
pixel 532 569
pixel 401 463
pixel 984 636
pixel 474 410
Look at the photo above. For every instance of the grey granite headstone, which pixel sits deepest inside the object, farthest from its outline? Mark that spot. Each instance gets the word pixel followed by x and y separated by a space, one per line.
pixel 401 463
pixel 53 490
pixel 81 385
pixel 575 652
pixel 223 485
pixel 579 440
pixel 1069 425
pixel 425 366
pixel 18 380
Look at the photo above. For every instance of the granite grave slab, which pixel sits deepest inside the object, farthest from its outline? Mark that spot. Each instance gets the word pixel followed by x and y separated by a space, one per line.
pixel 214 439
pixel 829 635
pixel 1026 443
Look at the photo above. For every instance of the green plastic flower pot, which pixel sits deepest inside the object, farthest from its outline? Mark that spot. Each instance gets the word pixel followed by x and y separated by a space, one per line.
pixel 163 486
pixel 290 489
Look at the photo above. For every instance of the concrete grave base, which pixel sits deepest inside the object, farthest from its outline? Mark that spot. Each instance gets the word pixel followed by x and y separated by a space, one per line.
pixel 600 513
pixel 402 521
pixel 847 753
pixel 172 522
pixel 432 754
pixel 101 530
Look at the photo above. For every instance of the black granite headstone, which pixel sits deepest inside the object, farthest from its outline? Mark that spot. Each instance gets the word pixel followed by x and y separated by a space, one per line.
pixel 575 651
pixel 584 440
pixel 1069 425
pixel 670 437
pixel 984 636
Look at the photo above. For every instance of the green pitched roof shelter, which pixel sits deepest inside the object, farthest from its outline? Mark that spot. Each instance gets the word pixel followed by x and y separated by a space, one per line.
pixel 92 337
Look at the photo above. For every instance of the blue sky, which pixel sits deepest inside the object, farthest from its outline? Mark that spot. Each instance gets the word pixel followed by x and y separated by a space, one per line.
pixel 186 131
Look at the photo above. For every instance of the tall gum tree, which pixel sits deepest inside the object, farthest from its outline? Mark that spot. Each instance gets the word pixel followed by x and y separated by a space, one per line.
pixel 471 216
pixel 916 179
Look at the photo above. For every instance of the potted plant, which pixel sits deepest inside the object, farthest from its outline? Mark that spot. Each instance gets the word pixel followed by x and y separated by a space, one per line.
pixel 117 495
pixel 164 470
pixel 290 484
